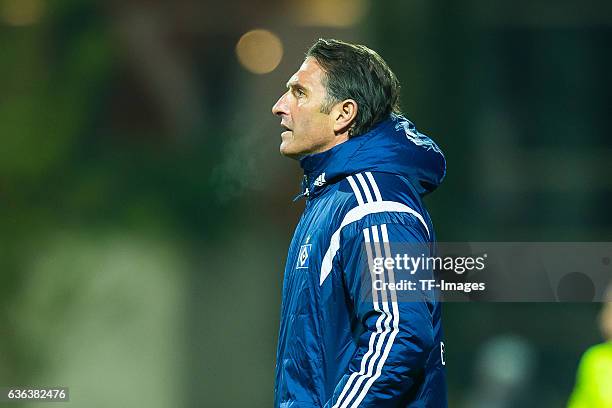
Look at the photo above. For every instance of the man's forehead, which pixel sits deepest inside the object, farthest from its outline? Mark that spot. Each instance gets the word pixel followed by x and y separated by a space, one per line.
pixel 309 73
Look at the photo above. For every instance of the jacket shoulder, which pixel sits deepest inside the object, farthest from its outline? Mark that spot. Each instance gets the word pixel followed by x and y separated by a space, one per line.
pixel 370 198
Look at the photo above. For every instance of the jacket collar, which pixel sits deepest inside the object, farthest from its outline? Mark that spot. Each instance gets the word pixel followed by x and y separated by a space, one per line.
pixel 392 146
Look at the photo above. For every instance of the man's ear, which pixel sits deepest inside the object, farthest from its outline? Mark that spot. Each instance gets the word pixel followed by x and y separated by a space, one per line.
pixel 344 113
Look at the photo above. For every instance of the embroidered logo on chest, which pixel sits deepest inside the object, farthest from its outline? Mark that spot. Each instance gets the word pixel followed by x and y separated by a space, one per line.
pixel 304 255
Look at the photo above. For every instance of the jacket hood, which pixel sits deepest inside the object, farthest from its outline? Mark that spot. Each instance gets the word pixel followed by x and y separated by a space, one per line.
pixel 393 146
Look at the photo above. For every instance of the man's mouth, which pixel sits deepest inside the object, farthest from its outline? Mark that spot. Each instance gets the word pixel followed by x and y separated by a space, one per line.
pixel 285 128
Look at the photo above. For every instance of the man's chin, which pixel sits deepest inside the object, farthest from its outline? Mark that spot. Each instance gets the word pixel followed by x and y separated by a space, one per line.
pixel 288 148
pixel 288 152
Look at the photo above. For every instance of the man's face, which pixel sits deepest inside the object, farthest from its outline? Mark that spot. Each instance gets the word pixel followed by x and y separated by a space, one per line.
pixel 307 129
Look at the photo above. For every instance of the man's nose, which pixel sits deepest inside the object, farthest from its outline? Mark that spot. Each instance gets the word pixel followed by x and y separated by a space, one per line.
pixel 280 107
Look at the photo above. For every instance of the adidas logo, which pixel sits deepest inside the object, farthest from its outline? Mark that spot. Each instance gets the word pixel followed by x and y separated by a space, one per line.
pixel 319 181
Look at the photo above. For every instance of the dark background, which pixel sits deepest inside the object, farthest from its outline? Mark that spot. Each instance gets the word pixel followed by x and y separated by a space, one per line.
pixel 145 211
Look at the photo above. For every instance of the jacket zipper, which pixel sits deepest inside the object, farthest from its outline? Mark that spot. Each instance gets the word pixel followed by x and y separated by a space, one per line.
pixel 304 189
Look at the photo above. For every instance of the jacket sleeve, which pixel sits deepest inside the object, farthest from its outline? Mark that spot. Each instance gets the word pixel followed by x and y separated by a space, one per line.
pixel 396 331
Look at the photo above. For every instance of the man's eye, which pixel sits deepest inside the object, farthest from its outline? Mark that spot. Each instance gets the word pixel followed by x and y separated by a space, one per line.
pixel 299 92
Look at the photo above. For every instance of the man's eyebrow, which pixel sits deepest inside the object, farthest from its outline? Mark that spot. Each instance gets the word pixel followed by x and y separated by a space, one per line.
pixel 294 84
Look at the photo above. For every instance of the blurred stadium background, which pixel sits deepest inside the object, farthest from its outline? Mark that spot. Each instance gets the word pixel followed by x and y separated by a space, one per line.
pixel 145 210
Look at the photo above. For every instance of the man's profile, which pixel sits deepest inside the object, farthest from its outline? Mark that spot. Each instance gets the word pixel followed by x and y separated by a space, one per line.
pixel 344 341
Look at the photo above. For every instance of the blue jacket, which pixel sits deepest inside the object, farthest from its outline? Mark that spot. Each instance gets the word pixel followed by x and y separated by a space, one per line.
pixel 344 342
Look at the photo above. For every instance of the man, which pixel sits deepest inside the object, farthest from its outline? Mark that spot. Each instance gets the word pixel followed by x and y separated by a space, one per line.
pixel 345 340
pixel 594 378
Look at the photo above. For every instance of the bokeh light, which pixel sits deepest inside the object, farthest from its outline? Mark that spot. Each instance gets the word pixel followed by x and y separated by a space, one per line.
pixel 318 13
pixel 21 12
pixel 259 51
